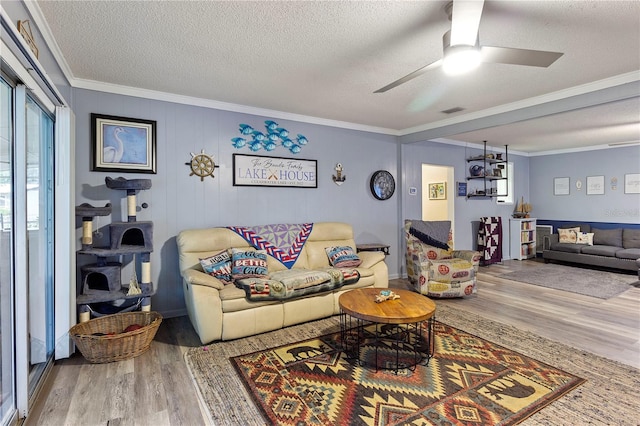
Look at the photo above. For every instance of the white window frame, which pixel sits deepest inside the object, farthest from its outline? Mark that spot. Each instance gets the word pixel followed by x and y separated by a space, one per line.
pixel 500 186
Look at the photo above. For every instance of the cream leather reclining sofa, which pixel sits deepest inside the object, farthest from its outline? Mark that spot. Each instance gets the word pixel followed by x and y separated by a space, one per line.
pixel 221 312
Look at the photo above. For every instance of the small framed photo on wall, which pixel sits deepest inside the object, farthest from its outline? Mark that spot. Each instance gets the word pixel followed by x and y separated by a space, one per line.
pixel 462 189
pixel 438 191
pixel 632 183
pixel 561 186
pixel 595 185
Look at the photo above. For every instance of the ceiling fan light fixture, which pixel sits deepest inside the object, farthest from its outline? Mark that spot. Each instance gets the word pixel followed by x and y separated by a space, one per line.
pixel 461 59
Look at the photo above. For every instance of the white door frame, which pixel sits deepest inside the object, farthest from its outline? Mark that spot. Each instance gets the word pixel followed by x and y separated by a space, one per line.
pixel 438 209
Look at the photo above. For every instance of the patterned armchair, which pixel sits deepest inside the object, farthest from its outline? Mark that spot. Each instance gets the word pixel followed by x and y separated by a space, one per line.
pixel 433 267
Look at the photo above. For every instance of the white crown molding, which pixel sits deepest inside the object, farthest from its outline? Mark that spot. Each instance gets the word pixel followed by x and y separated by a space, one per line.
pixel 606 83
pixel 244 109
pixel 42 26
pixel 208 103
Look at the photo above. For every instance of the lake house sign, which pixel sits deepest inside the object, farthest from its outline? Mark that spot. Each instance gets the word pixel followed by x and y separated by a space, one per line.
pixel 252 170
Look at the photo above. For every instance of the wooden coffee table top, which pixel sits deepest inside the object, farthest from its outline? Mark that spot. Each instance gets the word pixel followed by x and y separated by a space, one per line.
pixel 409 308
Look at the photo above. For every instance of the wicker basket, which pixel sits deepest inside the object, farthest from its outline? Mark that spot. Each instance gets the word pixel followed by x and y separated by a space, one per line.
pixel 119 346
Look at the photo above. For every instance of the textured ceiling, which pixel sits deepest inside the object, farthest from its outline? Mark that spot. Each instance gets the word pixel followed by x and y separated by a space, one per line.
pixel 325 59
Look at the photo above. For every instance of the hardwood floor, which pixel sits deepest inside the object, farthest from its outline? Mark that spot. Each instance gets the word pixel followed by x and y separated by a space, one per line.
pixel 152 389
pixel 609 328
pixel 156 389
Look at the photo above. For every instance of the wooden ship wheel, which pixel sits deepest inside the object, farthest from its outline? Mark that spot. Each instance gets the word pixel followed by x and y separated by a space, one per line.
pixel 202 165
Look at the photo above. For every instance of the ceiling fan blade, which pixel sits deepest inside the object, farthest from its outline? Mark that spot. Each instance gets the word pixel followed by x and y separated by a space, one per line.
pixel 410 76
pixel 465 21
pixel 510 55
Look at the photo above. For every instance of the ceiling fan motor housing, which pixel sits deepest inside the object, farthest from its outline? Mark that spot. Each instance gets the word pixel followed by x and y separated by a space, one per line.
pixel 460 58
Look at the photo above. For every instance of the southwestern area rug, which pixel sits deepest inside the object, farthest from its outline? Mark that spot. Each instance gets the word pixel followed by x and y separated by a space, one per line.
pixel 469 380
pixel 585 281
pixel 608 396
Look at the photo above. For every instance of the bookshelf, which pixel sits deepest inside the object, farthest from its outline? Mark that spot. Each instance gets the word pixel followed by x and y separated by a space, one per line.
pixel 522 238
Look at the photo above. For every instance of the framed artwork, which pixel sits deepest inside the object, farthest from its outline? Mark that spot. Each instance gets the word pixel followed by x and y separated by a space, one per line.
pixel 255 170
pixel 595 185
pixel 632 183
pixel 438 191
pixel 561 186
pixel 24 28
pixel 121 144
pixel 462 189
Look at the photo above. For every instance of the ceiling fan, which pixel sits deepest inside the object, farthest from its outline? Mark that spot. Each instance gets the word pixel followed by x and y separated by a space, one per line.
pixel 462 51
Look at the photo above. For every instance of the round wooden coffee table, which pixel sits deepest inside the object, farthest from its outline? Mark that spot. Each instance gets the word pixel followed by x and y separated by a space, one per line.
pixel 393 334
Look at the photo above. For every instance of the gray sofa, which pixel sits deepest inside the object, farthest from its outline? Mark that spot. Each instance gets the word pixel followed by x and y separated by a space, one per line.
pixel 617 248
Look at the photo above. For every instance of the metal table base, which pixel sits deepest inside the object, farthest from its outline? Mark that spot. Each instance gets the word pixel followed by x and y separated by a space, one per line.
pixel 412 343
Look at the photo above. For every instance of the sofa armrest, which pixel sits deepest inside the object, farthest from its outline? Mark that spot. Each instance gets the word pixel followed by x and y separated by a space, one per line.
pixel 370 258
pixel 195 277
pixel 548 240
pixel 471 256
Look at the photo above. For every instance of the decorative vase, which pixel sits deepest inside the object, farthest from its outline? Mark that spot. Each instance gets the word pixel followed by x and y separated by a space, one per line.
pixel 476 170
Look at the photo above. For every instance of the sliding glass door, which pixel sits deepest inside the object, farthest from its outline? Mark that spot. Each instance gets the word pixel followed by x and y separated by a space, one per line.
pixel 37 221
pixel 26 244
pixel 39 208
pixel 7 370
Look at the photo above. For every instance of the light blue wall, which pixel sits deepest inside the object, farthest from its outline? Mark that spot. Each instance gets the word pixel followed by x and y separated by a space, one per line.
pixel 613 206
pixel 178 201
pixel 469 210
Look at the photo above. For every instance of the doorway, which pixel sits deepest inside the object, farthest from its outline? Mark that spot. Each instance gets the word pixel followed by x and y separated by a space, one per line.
pixel 434 206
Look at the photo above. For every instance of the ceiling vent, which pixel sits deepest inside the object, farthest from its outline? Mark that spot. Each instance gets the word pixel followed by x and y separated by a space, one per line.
pixel 452 110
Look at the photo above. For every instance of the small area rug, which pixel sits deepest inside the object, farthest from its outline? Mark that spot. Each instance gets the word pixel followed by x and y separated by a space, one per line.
pixel 468 380
pixel 589 282
pixel 609 395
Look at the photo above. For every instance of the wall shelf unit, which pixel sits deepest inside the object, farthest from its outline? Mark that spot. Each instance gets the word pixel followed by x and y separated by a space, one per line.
pixel 522 238
pixel 486 170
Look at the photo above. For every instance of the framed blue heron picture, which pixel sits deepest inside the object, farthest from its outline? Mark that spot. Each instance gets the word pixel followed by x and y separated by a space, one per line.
pixel 121 144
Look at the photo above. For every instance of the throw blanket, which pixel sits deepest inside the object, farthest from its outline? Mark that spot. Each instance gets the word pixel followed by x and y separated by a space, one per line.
pixel 490 240
pixel 433 233
pixel 292 283
pixel 282 241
